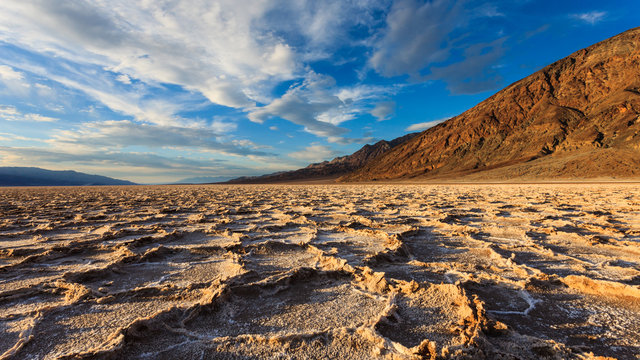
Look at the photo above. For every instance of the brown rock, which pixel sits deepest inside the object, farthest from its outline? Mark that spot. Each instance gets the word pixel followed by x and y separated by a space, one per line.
pixel 576 118
pixel 328 170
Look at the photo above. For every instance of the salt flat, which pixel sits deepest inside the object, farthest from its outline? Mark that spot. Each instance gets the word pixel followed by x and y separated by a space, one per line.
pixel 320 271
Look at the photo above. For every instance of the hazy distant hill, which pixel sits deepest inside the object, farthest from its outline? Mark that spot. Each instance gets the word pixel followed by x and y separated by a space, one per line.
pixel 333 169
pixel 31 176
pixel 576 118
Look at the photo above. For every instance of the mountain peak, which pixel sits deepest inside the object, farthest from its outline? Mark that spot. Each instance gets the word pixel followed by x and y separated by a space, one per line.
pixel 576 118
pixel 330 170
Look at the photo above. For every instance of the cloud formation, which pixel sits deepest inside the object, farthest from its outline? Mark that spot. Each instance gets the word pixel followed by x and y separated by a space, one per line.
pixel 311 105
pixel 10 113
pixel 124 133
pixel 429 41
pixel 230 53
pixel 414 35
pixel 591 17
pixel 425 125
pixel 13 81
pixel 383 110
pixel 314 153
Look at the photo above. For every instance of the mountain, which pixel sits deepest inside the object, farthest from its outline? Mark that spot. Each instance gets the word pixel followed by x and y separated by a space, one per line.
pixel 31 176
pixel 576 118
pixel 328 170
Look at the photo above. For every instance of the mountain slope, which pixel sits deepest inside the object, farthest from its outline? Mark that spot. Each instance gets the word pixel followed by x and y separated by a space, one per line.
pixel 333 169
pixel 576 118
pixel 31 176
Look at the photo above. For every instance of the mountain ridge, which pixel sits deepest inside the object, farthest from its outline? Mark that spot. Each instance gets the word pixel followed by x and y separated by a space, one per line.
pixel 331 169
pixel 575 118
pixel 33 176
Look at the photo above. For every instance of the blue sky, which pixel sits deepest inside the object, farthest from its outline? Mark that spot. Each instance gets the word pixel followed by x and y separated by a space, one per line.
pixel 157 91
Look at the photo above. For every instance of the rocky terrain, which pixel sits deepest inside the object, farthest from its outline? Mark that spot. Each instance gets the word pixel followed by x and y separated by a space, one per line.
pixel 316 272
pixel 329 170
pixel 576 118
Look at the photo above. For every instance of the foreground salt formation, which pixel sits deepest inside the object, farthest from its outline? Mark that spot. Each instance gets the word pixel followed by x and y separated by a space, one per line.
pixel 358 272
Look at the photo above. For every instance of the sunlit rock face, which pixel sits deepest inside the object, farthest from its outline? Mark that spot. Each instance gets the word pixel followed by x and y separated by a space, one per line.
pixel 305 272
pixel 576 118
pixel 329 170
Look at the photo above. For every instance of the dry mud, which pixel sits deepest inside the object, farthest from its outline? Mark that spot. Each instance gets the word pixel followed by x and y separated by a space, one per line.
pixel 320 272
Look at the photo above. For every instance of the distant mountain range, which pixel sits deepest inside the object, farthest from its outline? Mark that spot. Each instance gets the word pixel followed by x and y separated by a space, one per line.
pixel 31 176
pixel 329 170
pixel 577 118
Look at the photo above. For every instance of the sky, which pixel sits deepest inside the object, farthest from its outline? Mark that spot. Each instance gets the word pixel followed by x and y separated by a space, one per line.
pixel 155 91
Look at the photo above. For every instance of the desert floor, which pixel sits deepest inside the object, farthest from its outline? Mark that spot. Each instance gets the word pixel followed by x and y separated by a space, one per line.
pixel 320 271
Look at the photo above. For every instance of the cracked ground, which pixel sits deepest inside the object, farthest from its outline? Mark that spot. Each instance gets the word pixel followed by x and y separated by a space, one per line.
pixel 321 272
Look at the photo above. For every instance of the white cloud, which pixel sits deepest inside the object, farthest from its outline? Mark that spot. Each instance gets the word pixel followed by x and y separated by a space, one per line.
pixel 363 92
pixel 231 52
pixel 425 125
pixel 44 91
pixel 314 153
pixel 13 137
pixel 135 103
pixel 124 78
pixel 320 106
pixel 221 126
pixel 11 113
pixel 591 17
pixel 9 74
pixel 122 134
pixel 39 118
pixel 383 110
pixel 13 80
pixel 310 105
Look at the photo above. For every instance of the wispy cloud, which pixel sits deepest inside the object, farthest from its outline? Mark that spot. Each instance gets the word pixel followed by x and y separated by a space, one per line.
pixel 422 36
pixel 314 153
pixel 231 53
pixel 306 105
pixel 7 73
pixel 591 17
pixel 14 81
pixel 11 113
pixel 123 134
pixel 320 106
pixel 383 110
pixel 425 125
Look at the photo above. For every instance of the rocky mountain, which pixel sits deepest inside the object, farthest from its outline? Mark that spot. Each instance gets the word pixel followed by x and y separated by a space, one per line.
pixel 333 169
pixel 31 176
pixel 576 118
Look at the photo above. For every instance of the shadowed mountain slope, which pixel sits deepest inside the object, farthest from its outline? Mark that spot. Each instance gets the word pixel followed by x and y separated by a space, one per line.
pixel 31 176
pixel 333 169
pixel 576 118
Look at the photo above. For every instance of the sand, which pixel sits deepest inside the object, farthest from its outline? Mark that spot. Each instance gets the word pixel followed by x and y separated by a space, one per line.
pixel 321 272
